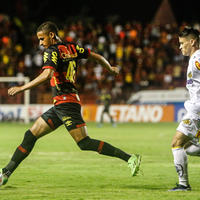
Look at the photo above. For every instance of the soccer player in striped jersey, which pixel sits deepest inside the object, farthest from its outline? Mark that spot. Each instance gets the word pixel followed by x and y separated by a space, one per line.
pixel 60 66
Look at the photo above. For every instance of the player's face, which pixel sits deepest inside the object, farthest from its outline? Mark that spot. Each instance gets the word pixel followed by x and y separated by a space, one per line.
pixel 185 46
pixel 45 39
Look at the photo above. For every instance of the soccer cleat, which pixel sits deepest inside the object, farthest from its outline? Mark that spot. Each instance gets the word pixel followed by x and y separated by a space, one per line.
pixel 181 188
pixel 134 164
pixel 3 178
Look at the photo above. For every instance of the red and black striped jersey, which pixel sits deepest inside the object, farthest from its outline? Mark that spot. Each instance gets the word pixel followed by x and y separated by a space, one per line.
pixel 62 58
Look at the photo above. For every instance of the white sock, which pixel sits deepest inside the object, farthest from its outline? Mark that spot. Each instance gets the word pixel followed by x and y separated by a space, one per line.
pixel 193 150
pixel 180 162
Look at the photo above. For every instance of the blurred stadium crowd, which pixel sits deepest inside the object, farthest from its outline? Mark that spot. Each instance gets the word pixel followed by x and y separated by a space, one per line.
pixel 148 57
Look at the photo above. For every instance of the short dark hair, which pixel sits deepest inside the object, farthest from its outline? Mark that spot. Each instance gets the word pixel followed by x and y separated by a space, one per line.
pixel 190 33
pixel 48 27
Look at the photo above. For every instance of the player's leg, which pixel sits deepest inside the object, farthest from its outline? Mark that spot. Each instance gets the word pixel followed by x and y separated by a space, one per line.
pixel 82 139
pixel 180 158
pixel 108 113
pixel 84 142
pixel 187 130
pixel 70 114
pixel 100 124
pixel 43 125
pixel 191 149
pixel 101 118
pixel 111 118
pixel 39 129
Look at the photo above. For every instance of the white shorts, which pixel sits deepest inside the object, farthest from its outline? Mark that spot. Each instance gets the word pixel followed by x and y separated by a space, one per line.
pixel 190 124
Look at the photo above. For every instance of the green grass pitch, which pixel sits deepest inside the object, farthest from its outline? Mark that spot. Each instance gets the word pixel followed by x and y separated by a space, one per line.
pixel 57 170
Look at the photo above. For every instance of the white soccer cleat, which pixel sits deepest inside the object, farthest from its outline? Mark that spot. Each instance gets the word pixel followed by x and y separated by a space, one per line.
pixel 3 179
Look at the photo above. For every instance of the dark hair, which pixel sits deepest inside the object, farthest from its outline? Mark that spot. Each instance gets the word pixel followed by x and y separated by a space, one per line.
pixel 48 27
pixel 190 32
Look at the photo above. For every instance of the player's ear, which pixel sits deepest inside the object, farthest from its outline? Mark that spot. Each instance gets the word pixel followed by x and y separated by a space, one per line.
pixel 51 34
pixel 193 42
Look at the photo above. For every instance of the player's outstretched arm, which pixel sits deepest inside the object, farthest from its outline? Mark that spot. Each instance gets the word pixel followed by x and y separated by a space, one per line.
pixel 42 78
pixel 104 63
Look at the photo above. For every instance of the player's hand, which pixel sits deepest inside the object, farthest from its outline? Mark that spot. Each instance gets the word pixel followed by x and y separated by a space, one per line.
pixel 14 90
pixel 115 71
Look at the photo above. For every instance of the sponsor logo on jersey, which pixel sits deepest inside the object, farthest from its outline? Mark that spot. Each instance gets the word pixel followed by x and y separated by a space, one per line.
pixel 68 123
pixel 65 118
pixel 189 82
pixel 197 65
pixel 67 52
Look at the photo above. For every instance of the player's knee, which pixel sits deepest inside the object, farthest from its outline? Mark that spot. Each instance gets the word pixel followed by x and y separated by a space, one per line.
pixel 179 140
pixel 193 150
pixel 84 143
pixel 173 144
pixel 191 153
pixel 29 137
pixel 28 141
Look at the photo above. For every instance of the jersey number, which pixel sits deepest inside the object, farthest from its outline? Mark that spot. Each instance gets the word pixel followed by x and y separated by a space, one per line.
pixel 71 71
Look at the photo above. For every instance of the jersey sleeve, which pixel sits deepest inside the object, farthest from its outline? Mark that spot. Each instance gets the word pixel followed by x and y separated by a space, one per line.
pixel 50 58
pixel 82 52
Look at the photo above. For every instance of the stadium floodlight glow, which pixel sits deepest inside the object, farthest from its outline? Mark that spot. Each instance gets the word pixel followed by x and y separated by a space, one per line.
pixel 26 92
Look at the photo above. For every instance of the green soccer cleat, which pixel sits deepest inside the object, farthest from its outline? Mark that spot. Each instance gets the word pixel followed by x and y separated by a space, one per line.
pixel 3 178
pixel 134 164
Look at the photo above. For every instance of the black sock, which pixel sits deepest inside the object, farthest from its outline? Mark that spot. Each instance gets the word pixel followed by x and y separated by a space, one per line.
pixel 21 152
pixel 103 148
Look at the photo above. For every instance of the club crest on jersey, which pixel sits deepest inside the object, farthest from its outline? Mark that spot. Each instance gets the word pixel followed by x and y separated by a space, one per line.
pixel 187 121
pixel 190 75
pixel 197 65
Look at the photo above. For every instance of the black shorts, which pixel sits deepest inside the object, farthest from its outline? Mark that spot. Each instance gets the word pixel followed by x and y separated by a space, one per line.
pixel 68 114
